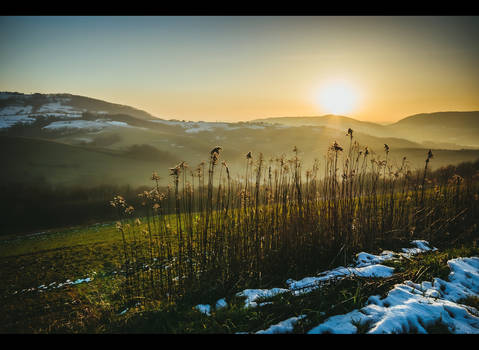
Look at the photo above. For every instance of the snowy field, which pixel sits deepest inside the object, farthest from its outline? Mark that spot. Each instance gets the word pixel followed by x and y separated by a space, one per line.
pixel 407 308
pixel 9 121
pixel 412 307
pixel 196 127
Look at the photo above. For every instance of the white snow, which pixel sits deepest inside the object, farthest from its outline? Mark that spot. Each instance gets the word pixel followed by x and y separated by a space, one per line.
pixel 254 294
pixel 412 307
pixel 365 259
pixel 58 114
pixel 421 246
pixel 196 127
pixel 55 285
pixel 285 326
pixel 221 303
pixel 15 110
pixel 82 280
pixel 204 308
pixel 9 121
pixel 89 125
pixel 408 308
pixel 75 124
pixel 367 265
pixel 116 123
pixel 59 107
pixel 308 284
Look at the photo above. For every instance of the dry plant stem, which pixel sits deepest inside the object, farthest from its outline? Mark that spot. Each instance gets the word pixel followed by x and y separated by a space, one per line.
pixel 281 221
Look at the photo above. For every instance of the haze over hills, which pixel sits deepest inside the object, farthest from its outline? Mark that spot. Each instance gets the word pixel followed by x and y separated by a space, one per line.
pixel 329 120
pixel 450 130
pixel 72 139
pixel 461 128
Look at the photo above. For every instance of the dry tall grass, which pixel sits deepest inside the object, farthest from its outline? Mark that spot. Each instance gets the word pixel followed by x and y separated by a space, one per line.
pixel 280 221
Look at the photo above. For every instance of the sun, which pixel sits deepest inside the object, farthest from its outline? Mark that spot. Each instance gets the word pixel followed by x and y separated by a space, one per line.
pixel 337 97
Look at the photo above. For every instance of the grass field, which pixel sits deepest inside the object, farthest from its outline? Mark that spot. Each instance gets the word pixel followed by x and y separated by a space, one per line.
pixel 209 236
pixel 95 307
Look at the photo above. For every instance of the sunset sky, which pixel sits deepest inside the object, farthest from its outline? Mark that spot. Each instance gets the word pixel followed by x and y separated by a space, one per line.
pixel 378 68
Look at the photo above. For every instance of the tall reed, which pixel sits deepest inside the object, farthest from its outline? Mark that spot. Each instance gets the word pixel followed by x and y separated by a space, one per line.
pixel 197 240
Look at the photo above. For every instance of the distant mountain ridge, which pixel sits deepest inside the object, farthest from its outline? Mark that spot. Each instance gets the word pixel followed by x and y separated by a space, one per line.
pixel 107 137
pixel 15 103
pixel 442 128
pixel 448 116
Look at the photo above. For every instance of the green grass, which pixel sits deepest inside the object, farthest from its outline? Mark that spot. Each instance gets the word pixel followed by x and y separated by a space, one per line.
pixel 95 307
pixel 243 237
pixel 337 298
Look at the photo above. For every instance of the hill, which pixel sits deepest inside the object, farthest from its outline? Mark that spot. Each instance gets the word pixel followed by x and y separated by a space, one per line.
pixel 460 128
pixel 33 160
pixel 450 130
pixel 19 104
pixel 78 140
pixel 332 121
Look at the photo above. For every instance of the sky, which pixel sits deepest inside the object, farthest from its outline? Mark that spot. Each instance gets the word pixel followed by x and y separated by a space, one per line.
pixel 378 68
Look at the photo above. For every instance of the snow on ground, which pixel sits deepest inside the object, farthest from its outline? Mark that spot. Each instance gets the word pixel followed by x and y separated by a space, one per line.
pixel 421 246
pixel 59 114
pixel 15 110
pixel 308 284
pixel 75 124
pixel 411 307
pixel 221 303
pixel 285 326
pixel 56 107
pixel 9 121
pixel 117 123
pixel 365 259
pixel 89 125
pixel 254 294
pixel 54 285
pixel 368 265
pixel 204 308
pixel 196 127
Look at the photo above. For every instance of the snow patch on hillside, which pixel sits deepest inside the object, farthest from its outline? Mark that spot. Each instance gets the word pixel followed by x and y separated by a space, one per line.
pixel 412 307
pixel 55 107
pixel 9 121
pixel 88 125
pixel 252 295
pixel 285 326
pixel 196 127
pixel 308 284
pixel 54 285
pixel 15 110
pixel 366 265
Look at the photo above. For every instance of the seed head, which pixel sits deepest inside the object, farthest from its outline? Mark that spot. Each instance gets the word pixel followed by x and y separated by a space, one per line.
pixel 350 133
pixel 155 176
pixel 336 147
pixel 174 171
pixel 216 150
pixel 129 210
pixel 429 154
